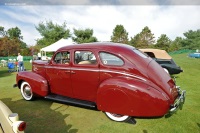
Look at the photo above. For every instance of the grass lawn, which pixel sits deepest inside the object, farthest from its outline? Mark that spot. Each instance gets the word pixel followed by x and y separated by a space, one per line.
pixel 43 116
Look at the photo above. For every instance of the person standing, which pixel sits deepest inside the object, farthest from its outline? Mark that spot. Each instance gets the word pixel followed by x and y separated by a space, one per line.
pixel 39 56
pixel 20 62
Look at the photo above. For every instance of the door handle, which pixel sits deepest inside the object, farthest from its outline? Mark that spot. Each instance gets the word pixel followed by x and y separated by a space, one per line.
pixel 67 71
pixel 72 72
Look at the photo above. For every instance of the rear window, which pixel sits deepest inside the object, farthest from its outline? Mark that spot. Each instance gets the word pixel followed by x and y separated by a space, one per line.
pixel 140 53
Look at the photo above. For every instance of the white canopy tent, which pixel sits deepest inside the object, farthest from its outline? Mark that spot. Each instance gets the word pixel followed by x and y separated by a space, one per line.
pixel 55 46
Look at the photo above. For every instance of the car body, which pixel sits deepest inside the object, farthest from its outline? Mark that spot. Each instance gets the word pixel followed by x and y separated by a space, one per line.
pixel 9 122
pixel 114 78
pixel 194 55
pixel 164 59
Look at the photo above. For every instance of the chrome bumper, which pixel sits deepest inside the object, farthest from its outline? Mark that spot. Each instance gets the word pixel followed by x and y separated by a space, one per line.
pixel 179 101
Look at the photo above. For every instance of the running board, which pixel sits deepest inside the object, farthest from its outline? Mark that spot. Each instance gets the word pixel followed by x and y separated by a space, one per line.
pixel 69 100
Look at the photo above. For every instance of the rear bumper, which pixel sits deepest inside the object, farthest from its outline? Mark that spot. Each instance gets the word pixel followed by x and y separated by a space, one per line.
pixel 179 101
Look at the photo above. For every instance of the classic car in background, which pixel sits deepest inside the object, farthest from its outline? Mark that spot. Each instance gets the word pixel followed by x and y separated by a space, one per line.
pixel 114 78
pixel 164 59
pixel 194 55
pixel 9 122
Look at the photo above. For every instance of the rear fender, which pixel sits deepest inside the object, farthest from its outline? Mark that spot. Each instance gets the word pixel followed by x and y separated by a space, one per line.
pixel 133 97
pixel 39 84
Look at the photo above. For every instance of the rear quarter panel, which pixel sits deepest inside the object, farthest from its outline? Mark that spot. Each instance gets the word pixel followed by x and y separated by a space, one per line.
pixel 133 97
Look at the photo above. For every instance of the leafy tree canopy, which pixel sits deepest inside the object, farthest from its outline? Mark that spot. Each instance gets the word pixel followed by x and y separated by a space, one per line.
pixel 14 33
pixel 176 44
pixel 163 42
pixel 11 41
pixel 84 36
pixel 143 39
pixel 2 31
pixel 51 32
pixel 120 35
pixel 192 39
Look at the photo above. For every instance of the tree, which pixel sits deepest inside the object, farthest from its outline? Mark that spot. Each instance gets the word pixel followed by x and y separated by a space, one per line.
pixel 192 39
pixel 14 33
pixel 51 32
pixel 120 35
pixel 11 41
pixel 163 42
pixel 144 39
pixel 9 47
pixel 84 36
pixel 135 41
pixel 2 31
pixel 176 44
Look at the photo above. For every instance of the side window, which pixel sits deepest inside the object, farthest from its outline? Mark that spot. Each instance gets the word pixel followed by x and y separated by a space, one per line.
pixel 62 58
pixel 84 57
pixel 57 58
pixel 110 59
pixel 66 57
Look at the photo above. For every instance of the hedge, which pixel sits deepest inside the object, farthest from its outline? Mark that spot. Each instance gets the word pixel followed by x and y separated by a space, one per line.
pixel 25 58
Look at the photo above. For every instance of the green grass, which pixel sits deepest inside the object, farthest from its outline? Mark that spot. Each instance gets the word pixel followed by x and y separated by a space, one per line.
pixel 43 116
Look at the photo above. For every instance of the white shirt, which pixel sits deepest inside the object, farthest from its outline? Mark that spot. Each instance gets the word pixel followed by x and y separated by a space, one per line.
pixel 39 54
pixel 19 58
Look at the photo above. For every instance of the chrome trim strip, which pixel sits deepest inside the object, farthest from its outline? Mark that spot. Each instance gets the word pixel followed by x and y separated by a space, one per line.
pixel 94 70
pixel 123 73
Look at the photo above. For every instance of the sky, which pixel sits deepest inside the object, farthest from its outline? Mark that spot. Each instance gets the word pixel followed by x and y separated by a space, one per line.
pixel 169 17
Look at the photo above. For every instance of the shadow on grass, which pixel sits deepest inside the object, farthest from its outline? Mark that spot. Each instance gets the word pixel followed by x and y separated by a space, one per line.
pixel 5 73
pixel 40 118
pixel 198 125
pixel 145 131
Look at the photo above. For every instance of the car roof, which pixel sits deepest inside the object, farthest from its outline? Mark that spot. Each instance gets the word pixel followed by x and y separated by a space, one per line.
pixel 98 45
pixel 160 54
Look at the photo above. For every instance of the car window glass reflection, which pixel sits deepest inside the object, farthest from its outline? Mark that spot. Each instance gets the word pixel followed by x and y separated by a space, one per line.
pixel 62 58
pixel 110 59
pixel 84 57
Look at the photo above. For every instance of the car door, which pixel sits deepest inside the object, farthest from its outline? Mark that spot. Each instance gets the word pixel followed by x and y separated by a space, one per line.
pixel 85 75
pixel 58 74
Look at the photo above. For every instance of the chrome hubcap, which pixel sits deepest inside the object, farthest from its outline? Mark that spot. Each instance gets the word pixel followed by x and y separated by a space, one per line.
pixel 27 91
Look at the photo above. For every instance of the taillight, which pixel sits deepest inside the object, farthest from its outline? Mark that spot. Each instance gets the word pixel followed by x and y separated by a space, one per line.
pixel 19 126
pixel 22 126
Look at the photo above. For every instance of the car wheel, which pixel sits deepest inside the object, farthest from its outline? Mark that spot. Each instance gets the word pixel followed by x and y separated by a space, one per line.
pixel 166 70
pixel 26 91
pixel 117 117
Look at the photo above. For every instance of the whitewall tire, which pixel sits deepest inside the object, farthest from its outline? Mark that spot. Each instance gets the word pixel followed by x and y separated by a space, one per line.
pixel 117 117
pixel 26 91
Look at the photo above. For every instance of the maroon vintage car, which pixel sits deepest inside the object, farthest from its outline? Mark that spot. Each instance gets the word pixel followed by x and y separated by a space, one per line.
pixel 115 78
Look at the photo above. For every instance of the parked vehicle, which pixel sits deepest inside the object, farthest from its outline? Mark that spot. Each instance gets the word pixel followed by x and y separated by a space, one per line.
pixel 9 122
pixel 114 78
pixel 164 59
pixel 194 55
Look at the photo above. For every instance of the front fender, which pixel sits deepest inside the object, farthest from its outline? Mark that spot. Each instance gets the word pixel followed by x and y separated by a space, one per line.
pixel 133 97
pixel 38 83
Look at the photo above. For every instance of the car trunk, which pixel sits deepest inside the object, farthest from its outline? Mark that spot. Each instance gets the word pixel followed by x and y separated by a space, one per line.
pixel 164 82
